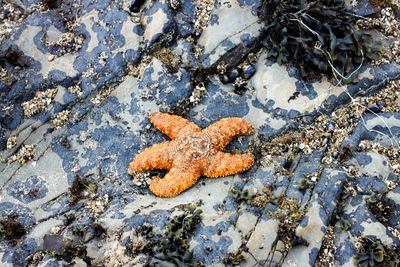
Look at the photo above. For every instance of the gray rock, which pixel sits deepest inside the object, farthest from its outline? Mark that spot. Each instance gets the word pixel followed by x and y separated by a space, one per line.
pixel 77 178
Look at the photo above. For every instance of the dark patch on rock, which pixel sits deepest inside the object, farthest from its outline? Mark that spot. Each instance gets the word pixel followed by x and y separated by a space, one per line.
pixel 11 229
pixel 79 185
pixel 28 190
pixel 14 57
pixel 17 212
pixel 136 5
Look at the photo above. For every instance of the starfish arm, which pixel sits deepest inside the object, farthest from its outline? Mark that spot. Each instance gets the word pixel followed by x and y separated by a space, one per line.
pixel 223 164
pixel 172 125
pixel 175 182
pixel 223 131
pixel 154 157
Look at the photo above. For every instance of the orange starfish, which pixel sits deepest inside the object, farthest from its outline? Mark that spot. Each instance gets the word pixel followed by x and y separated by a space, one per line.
pixel 191 153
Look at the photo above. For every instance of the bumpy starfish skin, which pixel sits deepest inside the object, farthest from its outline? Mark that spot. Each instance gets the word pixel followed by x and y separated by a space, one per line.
pixel 191 153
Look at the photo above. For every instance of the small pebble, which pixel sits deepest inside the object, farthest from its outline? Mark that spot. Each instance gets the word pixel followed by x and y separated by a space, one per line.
pixel 381 104
pixel 373 108
pixel 248 71
pixel 224 79
pixel 331 127
pixel 50 57
pixel 233 74
pixel 76 169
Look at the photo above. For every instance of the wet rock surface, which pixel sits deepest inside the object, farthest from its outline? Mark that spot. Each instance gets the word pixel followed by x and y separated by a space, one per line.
pixel 77 83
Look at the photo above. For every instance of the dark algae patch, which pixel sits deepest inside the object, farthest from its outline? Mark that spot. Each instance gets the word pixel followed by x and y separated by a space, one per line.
pixel 78 187
pixel 173 249
pixel 61 248
pixel 235 259
pixel 317 36
pixel 169 247
pixel 14 57
pixel 382 207
pixel 373 253
pixel 11 229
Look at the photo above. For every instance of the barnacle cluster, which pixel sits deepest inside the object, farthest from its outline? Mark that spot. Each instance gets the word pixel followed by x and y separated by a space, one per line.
pixel 385 3
pixel 24 154
pixel 137 70
pixel 263 198
pixel 97 205
pixel 169 59
pixel 141 179
pixel 197 93
pixel 11 142
pixel 60 118
pixel 289 214
pixel 69 42
pixel 76 90
pixel 203 15
pixel 11 15
pixel 385 23
pixel 175 4
pixel 295 34
pixel 39 102
pixel 234 259
pixel 5 77
pixel 395 49
pixel 103 95
pixel 328 131
pixel 327 252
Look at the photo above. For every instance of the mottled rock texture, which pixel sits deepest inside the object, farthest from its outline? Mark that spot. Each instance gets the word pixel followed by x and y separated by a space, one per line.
pixel 112 63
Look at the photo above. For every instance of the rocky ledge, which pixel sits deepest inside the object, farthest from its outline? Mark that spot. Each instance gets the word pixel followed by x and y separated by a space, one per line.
pixel 78 80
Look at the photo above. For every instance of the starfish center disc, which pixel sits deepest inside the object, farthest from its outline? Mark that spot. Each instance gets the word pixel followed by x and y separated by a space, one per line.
pixel 194 147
